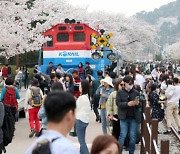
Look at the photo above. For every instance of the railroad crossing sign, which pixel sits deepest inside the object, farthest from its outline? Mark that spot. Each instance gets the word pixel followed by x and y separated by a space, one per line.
pixel 102 41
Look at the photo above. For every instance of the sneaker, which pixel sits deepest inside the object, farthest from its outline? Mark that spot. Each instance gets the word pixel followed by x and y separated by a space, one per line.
pixel 32 133
pixel 97 118
pixel 167 132
pixel 37 134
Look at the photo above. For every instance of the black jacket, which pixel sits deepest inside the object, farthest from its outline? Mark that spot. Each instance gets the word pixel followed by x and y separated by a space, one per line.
pixel 122 99
pixel 1 122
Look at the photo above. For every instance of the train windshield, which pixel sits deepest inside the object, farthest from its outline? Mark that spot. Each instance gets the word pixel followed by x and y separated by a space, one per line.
pixel 62 37
pixel 79 36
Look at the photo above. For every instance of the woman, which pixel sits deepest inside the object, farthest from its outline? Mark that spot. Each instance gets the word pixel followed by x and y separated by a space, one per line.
pixel 104 91
pixel 112 109
pixel 69 83
pixel 83 111
pixel 26 77
pixel 105 144
pixel 32 109
pixel 19 76
pixel 81 71
pixel 157 112
pixel 89 79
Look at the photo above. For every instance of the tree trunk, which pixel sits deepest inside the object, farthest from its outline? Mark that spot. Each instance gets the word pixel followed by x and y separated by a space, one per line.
pixel 5 60
pixel 17 60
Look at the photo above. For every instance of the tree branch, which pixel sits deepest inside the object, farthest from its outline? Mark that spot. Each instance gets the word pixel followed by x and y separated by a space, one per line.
pixel 132 42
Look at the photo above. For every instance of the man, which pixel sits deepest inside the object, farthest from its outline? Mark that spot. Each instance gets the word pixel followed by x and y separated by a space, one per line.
pixel 60 70
pixel 173 98
pixel 163 76
pixel 88 69
pixel 50 68
pixel 60 110
pixel 106 74
pixel 154 73
pixel 95 97
pixel 128 104
pixel 140 80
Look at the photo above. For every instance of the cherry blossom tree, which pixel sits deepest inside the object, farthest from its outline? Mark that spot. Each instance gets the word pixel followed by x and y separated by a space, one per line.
pixel 173 51
pixel 130 34
pixel 22 24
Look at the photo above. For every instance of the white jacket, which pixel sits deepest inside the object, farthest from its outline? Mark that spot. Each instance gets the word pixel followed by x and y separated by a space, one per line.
pixel 28 96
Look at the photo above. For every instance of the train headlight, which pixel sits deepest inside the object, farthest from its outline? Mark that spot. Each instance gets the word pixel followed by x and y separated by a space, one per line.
pixel 111 56
pixel 96 55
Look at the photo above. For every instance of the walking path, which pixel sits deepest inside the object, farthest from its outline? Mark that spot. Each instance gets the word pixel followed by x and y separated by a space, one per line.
pixel 21 140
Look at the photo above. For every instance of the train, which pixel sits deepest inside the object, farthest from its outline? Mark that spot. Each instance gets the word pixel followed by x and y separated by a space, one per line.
pixel 70 43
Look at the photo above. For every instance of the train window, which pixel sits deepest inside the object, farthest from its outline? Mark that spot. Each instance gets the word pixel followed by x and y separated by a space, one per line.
pixel 79 37
pixel 49 43
pixel 78 27
pixel 62 37
pixel 62 28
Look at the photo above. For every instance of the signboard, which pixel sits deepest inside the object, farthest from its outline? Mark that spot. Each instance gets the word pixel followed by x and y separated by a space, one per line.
pixel 67 54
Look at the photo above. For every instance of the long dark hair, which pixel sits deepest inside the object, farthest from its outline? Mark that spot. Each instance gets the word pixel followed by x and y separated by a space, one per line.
pixel 85 87
pixel 9 71
pixel 70 79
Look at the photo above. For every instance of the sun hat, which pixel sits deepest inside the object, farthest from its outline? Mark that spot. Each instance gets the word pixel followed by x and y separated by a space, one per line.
pixel 108 80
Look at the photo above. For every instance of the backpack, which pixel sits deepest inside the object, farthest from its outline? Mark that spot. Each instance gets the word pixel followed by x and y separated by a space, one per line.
pixel 8 126
pixel 43 147
pixel 10 97
pixel 35 99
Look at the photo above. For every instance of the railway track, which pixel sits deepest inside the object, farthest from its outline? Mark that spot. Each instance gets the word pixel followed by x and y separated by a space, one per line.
pixel 174 138
pixel 175 132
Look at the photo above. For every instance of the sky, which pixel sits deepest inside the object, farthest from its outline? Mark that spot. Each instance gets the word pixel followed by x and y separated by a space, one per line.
pixel 127 7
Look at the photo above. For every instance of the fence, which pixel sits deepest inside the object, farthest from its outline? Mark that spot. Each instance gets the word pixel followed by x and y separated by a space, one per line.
pixel 149 132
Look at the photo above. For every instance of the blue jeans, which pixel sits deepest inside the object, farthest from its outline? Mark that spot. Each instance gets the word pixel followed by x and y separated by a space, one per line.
pixel 81 132
pixel 128 126
pixel 104 121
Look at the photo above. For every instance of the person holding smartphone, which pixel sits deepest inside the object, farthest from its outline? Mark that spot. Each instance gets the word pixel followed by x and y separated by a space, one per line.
pixel 128 113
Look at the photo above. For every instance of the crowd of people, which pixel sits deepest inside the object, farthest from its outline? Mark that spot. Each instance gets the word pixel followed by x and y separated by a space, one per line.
pixel 21 75
pixel 64 101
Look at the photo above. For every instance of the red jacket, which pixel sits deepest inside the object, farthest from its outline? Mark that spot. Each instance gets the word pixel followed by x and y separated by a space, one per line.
pixel 81 70
pixel 76 91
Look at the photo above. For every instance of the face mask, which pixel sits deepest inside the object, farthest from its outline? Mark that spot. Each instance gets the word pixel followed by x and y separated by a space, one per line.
pixel 130 87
